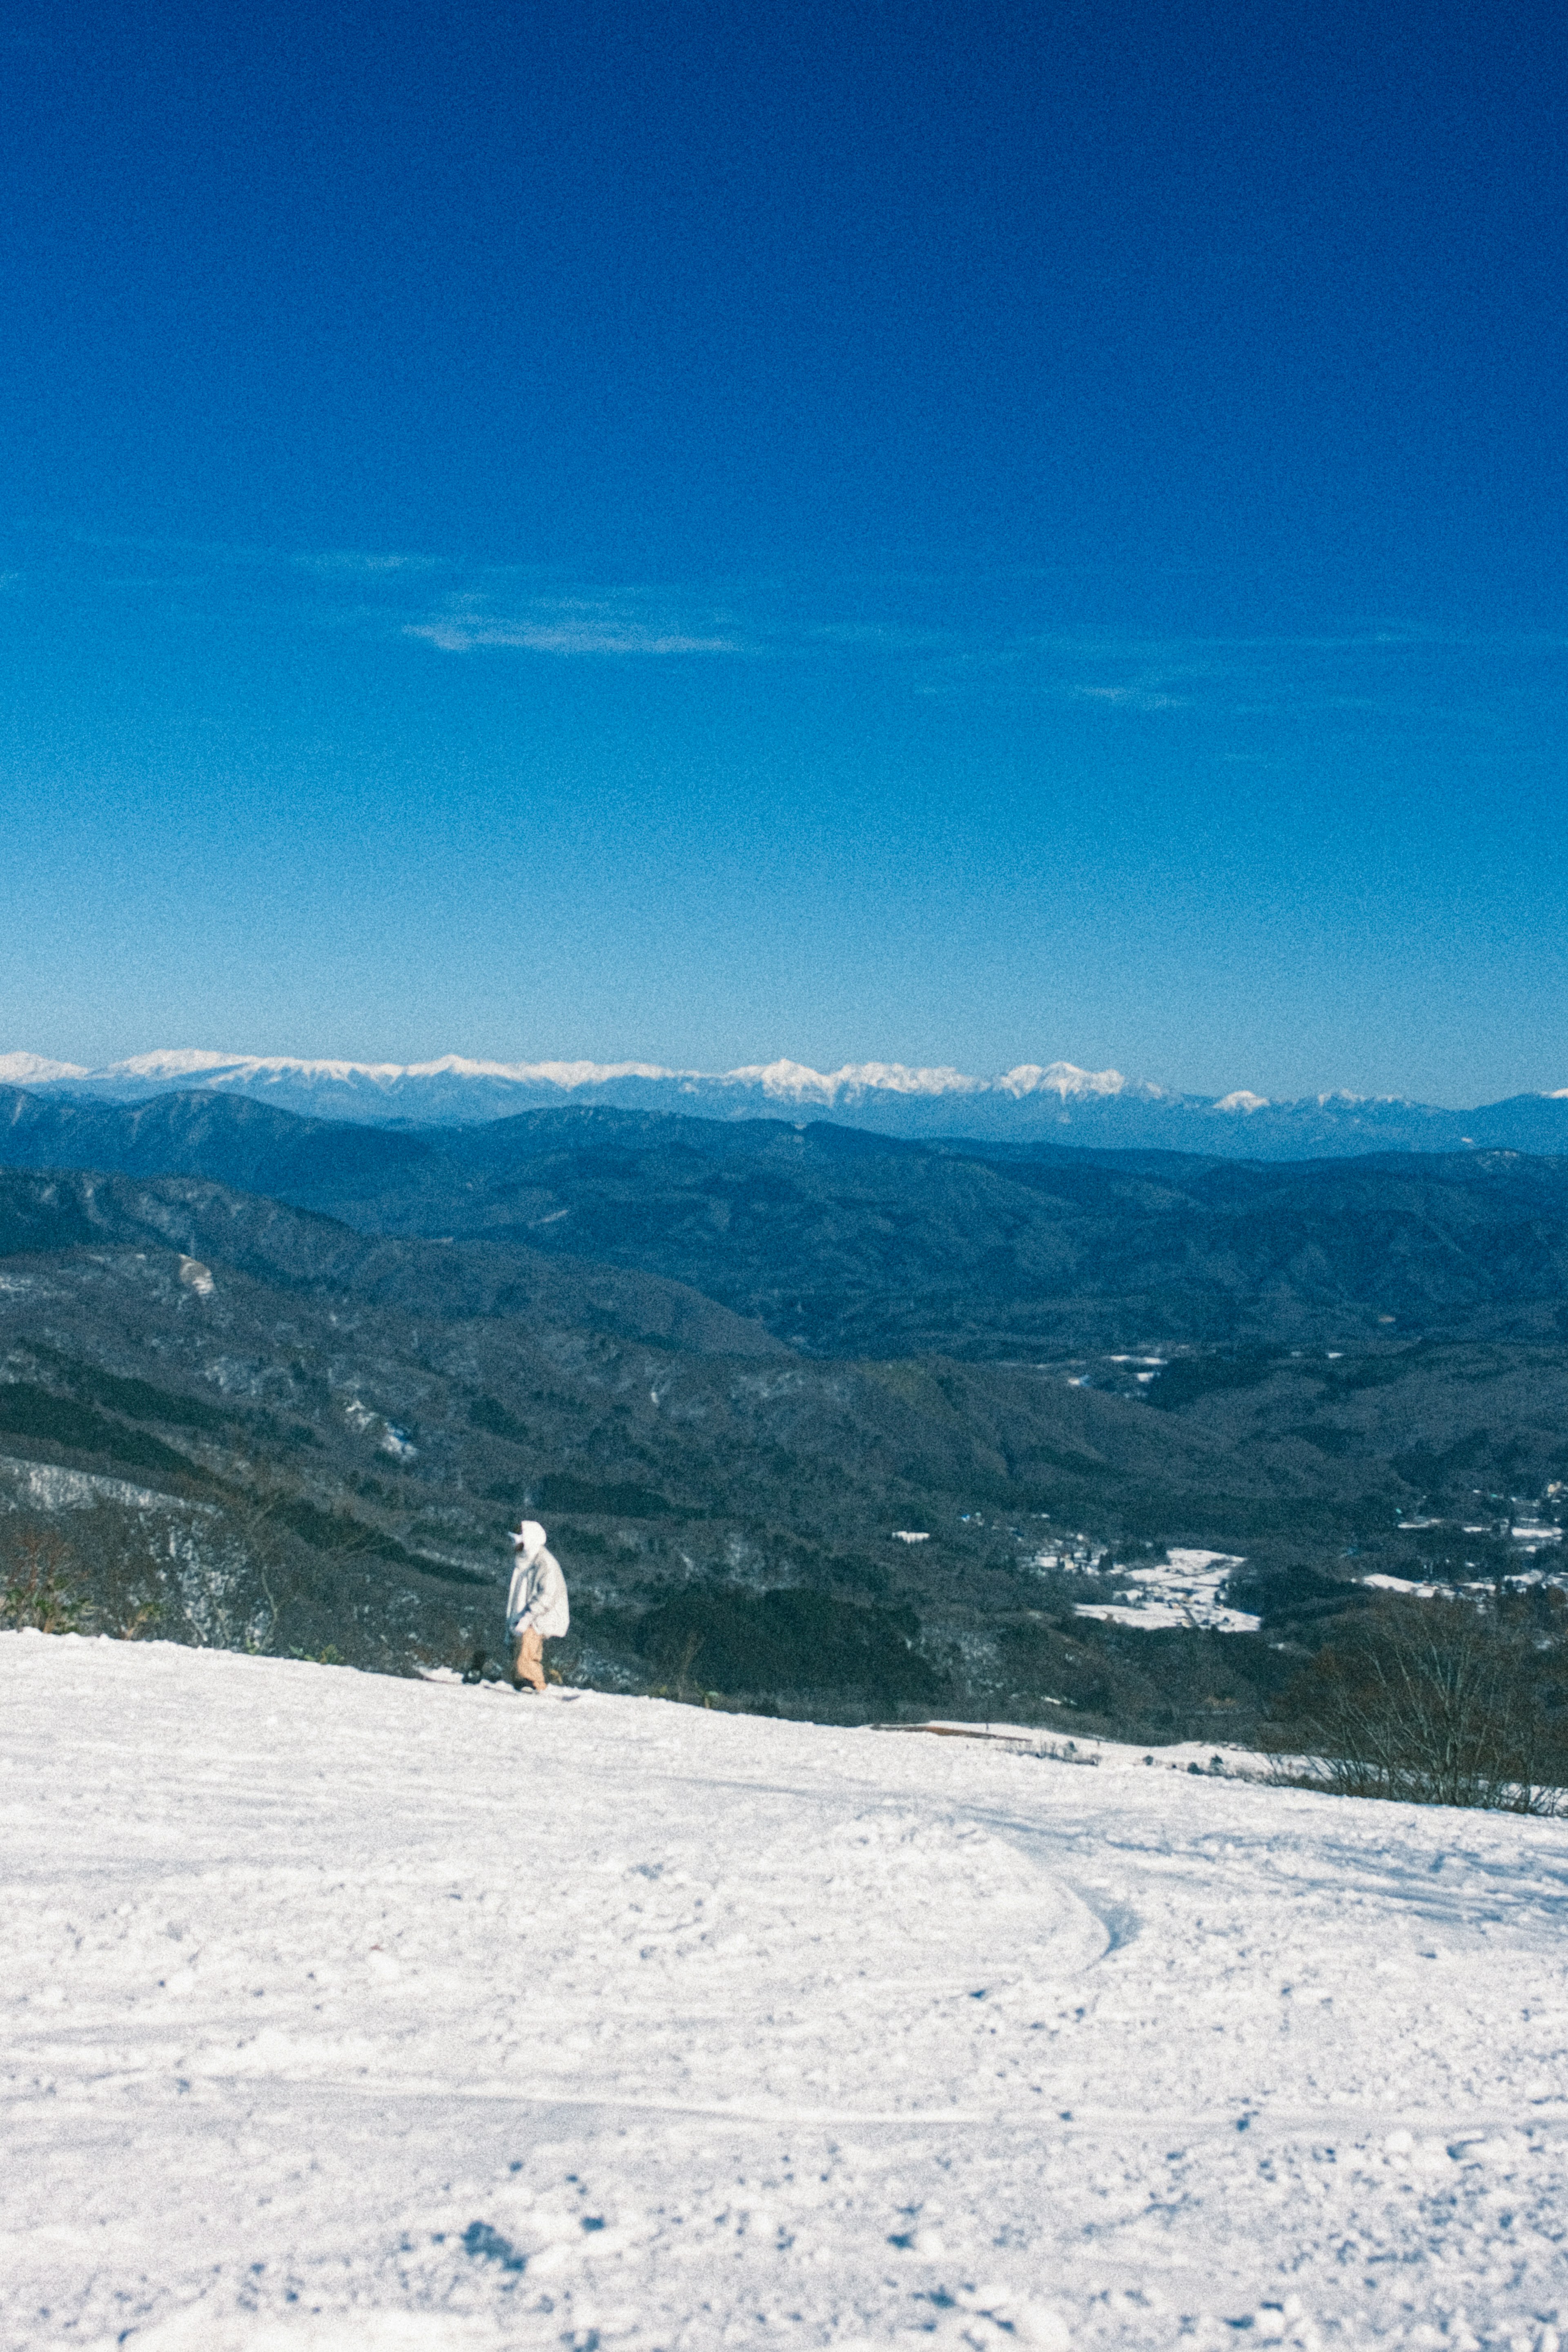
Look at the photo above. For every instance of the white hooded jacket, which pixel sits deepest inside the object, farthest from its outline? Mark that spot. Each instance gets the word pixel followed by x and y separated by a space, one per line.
pixel 538 1595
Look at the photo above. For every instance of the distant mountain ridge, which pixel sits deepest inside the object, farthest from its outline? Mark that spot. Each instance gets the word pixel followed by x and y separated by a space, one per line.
pixel 861 1245
pixel 1053 1102
pixel 734 1356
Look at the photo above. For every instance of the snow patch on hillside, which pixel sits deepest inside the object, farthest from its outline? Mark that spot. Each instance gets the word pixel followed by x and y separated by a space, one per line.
pixel 346 2015
pixel 47 1486
pixel 1184 1589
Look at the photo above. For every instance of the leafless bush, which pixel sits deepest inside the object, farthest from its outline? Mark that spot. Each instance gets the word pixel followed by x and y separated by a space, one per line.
pixel 265 1570
pixel 1437 1703
pixel 122 1554
pixel 213 1578
pixel 38 1592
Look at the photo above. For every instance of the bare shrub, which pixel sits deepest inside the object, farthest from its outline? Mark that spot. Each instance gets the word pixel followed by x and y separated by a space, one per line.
pixel 135 1572
pixel 38 1592
pixel 265 1569
pixel 122 1552
pixel 1436 1703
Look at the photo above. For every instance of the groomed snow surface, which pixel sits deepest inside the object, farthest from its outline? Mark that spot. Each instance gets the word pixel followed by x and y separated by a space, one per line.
pixel 346 2015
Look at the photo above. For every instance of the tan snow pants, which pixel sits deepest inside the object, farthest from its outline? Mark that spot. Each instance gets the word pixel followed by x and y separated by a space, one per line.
pixel 530 1663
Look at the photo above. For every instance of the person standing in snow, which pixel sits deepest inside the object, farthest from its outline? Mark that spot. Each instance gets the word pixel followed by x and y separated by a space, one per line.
pixel 536 1609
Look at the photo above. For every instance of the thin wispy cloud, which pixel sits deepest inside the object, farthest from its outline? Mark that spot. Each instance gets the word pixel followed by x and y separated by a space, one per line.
pixel 348 562
pixel 884 638
pixel 567 626
pixel 1132 697
pixel 448 602
pixel 959 638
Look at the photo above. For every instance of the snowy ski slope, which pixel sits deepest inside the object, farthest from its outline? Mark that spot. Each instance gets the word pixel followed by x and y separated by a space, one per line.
pixel 346 2015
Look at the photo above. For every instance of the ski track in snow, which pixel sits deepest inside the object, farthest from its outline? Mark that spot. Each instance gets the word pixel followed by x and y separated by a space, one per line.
pixel 346 2015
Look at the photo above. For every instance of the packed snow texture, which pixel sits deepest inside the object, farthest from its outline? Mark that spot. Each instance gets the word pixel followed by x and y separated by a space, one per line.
pixel 347 2014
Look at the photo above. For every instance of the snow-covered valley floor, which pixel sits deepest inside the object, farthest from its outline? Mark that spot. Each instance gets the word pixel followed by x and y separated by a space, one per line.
pixel 345 2014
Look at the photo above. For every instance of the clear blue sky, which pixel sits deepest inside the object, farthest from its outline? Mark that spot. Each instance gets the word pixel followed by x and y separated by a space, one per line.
pixel 700 533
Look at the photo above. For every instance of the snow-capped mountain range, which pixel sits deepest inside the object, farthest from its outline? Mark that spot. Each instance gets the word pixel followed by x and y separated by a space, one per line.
pixel 1051 1102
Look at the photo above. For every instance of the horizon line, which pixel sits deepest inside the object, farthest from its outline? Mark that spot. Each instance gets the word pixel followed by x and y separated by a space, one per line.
pixel 782 1080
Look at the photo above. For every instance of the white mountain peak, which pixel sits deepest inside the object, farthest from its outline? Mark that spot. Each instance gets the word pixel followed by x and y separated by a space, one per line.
pixel 1067 1080
pixel 171 1062
pixel 552 1073
pixel 782 1081
pixel 36 1070
pixel 897 1096
pixel 216 1070
pixel 797 1082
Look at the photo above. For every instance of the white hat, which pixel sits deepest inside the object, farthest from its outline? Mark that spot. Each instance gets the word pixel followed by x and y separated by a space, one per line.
pixel 528 1538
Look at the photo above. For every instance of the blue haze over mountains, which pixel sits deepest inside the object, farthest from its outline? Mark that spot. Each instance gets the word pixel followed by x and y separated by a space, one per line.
pixel 1056 1103
pixel 727 1358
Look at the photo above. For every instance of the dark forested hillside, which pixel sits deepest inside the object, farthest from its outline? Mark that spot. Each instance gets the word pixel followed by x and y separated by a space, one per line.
pixel 843 1243
pixel 726 1363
